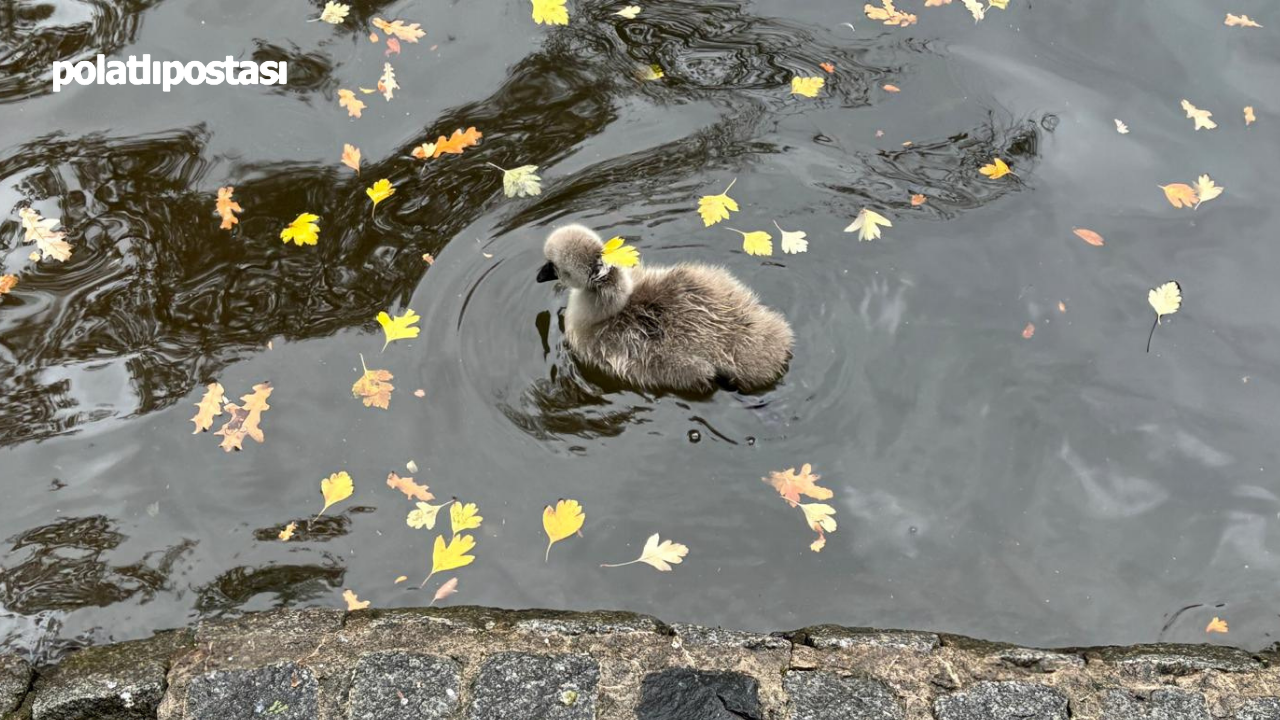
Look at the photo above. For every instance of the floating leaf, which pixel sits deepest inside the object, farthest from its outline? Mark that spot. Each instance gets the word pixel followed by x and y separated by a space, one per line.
pixel 917 200
pixel 245 419
pixel 651 72
pixel 424 151
pixel 1249 117
pixel 393 47
pixel 617 253
pixel 400 578
pixel 821 519
pixel 353 602
pixel 287 533
pixel 449 587
pixel 303 230
pixel 397 29
pixel 411 489
pixel 1180 194
pixel 1089 236
pixel 1029 331
pixel 867 224
pixel 998 4
pixel 334 12
pixel 7 283
pixel 380 191
pixel 629 12
pixel 891 88
pixel 976 9
pixel 40 231
pixel 464 517
pixel 351 157
pixel 336 488
pixel 1240 21
pixel 550 12
pixel 451 556
pixel 661 556
pixel 565 519
pixel 793 241
pixel 1201 117
pixel 227 208
pixel 714 208
pixel 520 182
pixel 353 104
pixel 399 328
pixel 1206 189
pixel 424 516
pixel 454 144
pixel 1216 625
pixel 757 242
pixel 1121 127
pixel 374 387
pixel 209 407
pixel 791 484
pixel 1165 300
pixel 996 170
pixel 829 67
pixel 888 14
pixel 807 86
pixel 387 84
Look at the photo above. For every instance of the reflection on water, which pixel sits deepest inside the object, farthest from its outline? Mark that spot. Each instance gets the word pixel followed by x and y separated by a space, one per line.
pixel 978 471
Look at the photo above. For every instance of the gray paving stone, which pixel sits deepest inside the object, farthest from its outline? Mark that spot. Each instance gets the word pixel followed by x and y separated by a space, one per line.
pixel 1170 659
pixel 687 694
pixel 15 679
pixel 1267 708
pixel 698 636
pixel 404 686
pixel 539 687
pixel 816 695
pixel 1002 701
pixel 835 637
pixel 1163 704
pixel 277 692
pixel 110 682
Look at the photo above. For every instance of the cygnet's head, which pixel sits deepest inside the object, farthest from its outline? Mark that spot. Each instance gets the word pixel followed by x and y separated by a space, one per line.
pixel 573 257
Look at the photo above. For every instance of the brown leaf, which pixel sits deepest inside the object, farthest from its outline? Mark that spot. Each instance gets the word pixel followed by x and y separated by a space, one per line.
pixel 1029 331
pixel 209 407
pixel 373 387
pixel 450 587
pixel 397 28
pixel 456 143
pixel 348 100
pixel 411 489
pixel 1088 236
pixel 791 484
pixel 7 283
pixel 227 208
pixel 245 418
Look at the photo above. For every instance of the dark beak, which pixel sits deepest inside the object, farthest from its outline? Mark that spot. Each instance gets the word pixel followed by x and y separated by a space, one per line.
pixel 547 272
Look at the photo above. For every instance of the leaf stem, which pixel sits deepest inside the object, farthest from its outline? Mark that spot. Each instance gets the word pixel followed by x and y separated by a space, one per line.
pixel 499 167
pixel 633 562
pixel 1153 331
pixel 362 365
pixel 547 558
pixel 424 582
pixel 726 190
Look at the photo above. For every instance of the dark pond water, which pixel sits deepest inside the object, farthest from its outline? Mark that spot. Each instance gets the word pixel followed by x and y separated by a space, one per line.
pixel 1063 489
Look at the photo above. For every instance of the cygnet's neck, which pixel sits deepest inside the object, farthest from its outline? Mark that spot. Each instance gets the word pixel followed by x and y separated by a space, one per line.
pixel 601 302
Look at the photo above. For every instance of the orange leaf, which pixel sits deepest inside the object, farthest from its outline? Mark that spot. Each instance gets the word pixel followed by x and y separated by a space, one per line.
pixel 351 157
pixel 245 418
pixel 892 88
pixel 450 587
pixel 227 208
pixel 408 33
pixel 829 67
pixel 393 47
pixel 374 388
pixel 7 283
pixel 1217 625
pixel 1062 307
pixel 1088 236
pixel 918 200
pixel 1180 194
pixel 411 489
pixel 791 485
pixel 348 100
pixel 353 602
pixel 1249 117
pixel 456 143
pixel 1029 331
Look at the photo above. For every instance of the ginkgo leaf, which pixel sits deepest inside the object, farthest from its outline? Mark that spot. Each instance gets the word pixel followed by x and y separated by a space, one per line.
pixel 451 556
pixel 1121 127
pixel 616 253
pixel 7 283
pixel 756 242
pixel 387 84
pixel 1201 117
pixel 50 242
pixel 399 328
pixel 353 602
pixel 209 407
pixel 449 587
pixel 227 208
pixel 287 533
pixel 1216 625
pixel 1089 236
pixel 245 419
pixel 303 230
pixel 1180 194
pixel 336 488
pixel 380 191
pixel 792 240
pixel 397 29
pixel 351 157
pixel 867 224
pixel 807 86
pixel 1165 300
pixel 888 14
pixel 1206 189
pixel 791 484
pixel 1249 117
pixel 334 12
pixel 996 170
pixel 374 388
pixel 565 519
pixel 1240 21
pixel 661 556
pixel 520 182
pixel 425 515
pixel 550 12
pixel 411 489
pixel 976 9
pixel 629 12
pixel 714 208
pixel 464 516
pixel 348 100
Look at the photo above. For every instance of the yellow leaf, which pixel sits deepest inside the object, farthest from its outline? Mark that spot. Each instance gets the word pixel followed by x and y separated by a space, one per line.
pixel 617 253
pixel 424 516
pixel 335 488
pixel 399 328
pixel 661 556
pixel 227 208
pixel 550 12
pixel 287 533
pixel 353 602
pixel 303 230
pixel 976 9
pixel 791 484
pixel 629 12
pixel 714 208
pixel 351 157
pixel 334 12
pixel 411 489
pixel 867 224
pixel 807 86
pixel 449 587
pixel 348 100
pixel 1249 117
pixel 209 407
pixel 821 519
pixel 373 387
pixel 757 242
pixel 1240 21
pixel 818 544
pixel 998 4
pixel 1206 189
pixel 565 519
pixel 996 170
pixel 451 556
pixel 1180 194
pixel 40 231
pixel 888 14
pixel 397 28
pixel 520 182
pixel 1165 300
pixel 380 191
pixel 1217 625
pixel 401 578
pixel 387 84
pixel 792 240
pixel 464 517
pixel 651 72
pixel 1201 117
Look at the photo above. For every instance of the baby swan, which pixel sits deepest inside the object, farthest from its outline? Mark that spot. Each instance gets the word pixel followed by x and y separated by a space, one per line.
pixel 675 328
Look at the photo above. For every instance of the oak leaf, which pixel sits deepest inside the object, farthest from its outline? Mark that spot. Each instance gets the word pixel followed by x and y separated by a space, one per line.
pixel 449 587
pixel 336 488
pixel 411 489
pixel 348 100
pixel 451 556
pixel 351 157
pixel 888 14
pixel 393 47
pixel 387 84
pixel 397 29
pixel 1201 117
pixel 227 208
pixel 1089 236
pixel 456 143
pixel 829 67
pixel 617 253
pixel 1180 194
pixel 51 243
pixel 661 556
pixel 424 151
pixel 867 224
pixel 400 327
pixel 303 230
pixel 1240 21
pixel 565 519
pixel 1121 127
pixel 976 9
pixel 464 516
pixel 334 12
pixel 806 86
pixel 353 602
pixel 245 419
pixel 714 208
pixel 791 484
pixel 209 407
pixel 374 388
pixel 917 200
pixel 550 12
pixel 756 242
pixel 629 12
pixel 821 519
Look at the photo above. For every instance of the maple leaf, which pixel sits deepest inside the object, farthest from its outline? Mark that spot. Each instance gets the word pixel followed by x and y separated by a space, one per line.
pixel 374 388
pixel 336 488
pixel 351 157
pixel 245 419
pixel 449 587
pixel 791 484
pixel 209 407
pixel 565 519
pixel 661 556
pixel 424 516
pixel 629 12
pixel 756 242
pixel 379 191
pixel 398 328
pixel 996 170
pixel 456 143
pixel 50 242
pixel 1165 300
pixel 1217 625
pixel 353 602
pixel 1201 117
pixel 917 200
pixel 411 489
pixel 1088 236
pixel 1240 21
pixel 1206 189
pixel 397 29
pixel 464 517
pixel 867 224
pixel 714 208
pixel 1249 117
pixel 451 556
pixel 334 12
pixel 287 533
pixel 387 84
pixel 7 283
pixel 807 86
pixel 616 253
pixel 550 12
pixel 423 151
pixel 303 230
pixel 793 241
pixel 521 181
pixel 1180 194
pixel 348 100
pixel 888 14
pixel 1121 127
pixel 227 208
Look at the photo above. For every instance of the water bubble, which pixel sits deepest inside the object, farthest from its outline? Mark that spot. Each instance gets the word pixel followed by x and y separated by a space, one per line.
pixel 694 436
pixel 751 440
